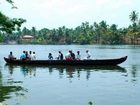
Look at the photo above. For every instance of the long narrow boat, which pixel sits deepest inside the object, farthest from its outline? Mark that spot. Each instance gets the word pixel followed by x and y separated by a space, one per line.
pixel 68 62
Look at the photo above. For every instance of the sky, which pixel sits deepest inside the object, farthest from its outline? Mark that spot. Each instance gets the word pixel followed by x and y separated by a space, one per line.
pixel 71 13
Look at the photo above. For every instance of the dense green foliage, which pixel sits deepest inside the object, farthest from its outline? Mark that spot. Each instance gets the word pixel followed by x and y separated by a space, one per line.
pixel 8 25
pixel 96 33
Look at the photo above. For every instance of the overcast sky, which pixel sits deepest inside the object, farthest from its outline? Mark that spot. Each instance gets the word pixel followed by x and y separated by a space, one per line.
pixel 71 13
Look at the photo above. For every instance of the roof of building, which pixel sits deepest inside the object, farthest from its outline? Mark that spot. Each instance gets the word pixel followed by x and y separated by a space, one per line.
pixel 28 37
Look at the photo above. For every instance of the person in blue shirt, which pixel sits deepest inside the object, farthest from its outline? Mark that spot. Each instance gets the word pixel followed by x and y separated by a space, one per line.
pixel 23 56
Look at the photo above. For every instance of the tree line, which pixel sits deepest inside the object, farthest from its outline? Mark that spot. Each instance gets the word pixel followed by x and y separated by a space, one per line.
pixel 86 33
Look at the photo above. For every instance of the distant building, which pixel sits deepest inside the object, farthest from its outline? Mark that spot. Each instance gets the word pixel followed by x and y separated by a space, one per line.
pixel 27 38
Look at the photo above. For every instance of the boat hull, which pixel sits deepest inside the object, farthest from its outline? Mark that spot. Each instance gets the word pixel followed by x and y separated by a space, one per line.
pixel 68 62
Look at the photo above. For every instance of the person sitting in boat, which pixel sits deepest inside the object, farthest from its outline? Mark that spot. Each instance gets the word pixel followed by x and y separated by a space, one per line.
pixel 78 56
pixel 68 56
pixel 88 56
pixel 27 55
pixel 10 56
pixel 60 57
pixel 33 56
pixel 72 55
pixel 50 57
pixel 23 56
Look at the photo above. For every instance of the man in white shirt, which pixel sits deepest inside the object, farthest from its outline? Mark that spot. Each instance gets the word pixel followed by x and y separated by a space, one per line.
pixel 88 54
pixel 33 56
pixel 78 56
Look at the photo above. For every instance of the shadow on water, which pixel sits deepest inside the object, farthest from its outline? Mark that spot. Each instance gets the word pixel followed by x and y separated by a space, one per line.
pixel 70 70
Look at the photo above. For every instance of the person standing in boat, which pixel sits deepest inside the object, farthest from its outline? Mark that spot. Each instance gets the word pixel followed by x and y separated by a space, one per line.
pixel 88 55
pixel 78 56
pixel 50 57
pixel 60 57
pixel 10 56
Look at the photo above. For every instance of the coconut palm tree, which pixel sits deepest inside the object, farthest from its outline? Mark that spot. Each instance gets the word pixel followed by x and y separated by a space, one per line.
pixel 133 16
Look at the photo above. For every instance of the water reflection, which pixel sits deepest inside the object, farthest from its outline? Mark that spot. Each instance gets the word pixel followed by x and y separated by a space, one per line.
pixel 134 72
pixel 26 70
pixel 10 88
pixel 69 70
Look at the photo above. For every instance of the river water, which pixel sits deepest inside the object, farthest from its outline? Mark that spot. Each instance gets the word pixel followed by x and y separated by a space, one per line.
pixel 70 85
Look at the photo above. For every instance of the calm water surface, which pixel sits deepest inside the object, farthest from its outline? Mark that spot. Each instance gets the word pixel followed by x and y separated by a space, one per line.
pixel 69 85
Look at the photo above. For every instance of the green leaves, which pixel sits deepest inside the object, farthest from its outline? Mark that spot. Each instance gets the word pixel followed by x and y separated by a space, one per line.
pixel 9 25
pixel 133 16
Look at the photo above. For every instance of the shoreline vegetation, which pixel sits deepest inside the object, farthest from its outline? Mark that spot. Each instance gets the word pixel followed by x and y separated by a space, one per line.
pixel 86 33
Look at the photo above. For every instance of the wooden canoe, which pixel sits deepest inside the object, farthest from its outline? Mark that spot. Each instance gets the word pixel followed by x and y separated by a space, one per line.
pixel 99 62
